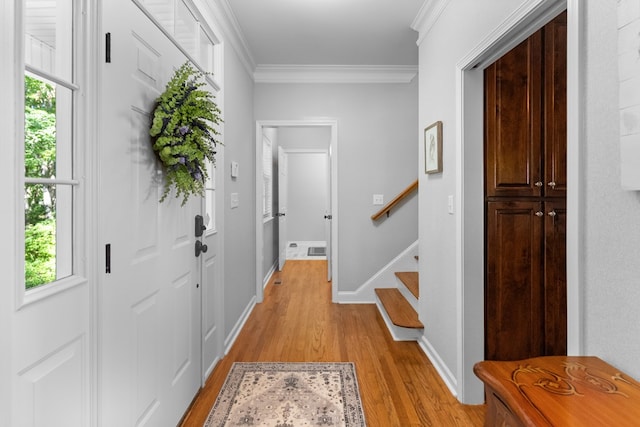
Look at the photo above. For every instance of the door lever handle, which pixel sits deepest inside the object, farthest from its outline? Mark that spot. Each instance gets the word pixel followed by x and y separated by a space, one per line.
pixel 200 247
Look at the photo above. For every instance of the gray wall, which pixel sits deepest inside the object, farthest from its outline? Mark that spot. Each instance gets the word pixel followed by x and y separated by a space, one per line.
pixel 377 151
pixel 308 198
pixel 305 219
pixel 304 137
pixel 239 241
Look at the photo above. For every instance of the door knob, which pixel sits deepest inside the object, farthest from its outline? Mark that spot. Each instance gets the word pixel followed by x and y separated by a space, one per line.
pixel 200 247
pixel 328 217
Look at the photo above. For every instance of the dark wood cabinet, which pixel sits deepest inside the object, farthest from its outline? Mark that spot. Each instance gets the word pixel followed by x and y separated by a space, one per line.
pixel 514 293
pixel 555 278
pixel 513 113
pixel 555 108
pixel 525 190
pixel 526 107
pixel 525 295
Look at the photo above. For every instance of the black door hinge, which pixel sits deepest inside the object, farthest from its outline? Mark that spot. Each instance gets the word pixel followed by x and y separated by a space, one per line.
pixel 107 42
pixel 107 260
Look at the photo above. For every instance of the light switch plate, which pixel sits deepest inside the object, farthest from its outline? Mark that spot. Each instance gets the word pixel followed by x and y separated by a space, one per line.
pixel 234 169
pixel 450 205
pixel 378 199
pixel 235 200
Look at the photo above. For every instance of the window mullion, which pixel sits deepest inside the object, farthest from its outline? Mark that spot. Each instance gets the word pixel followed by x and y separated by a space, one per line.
pixel 52 77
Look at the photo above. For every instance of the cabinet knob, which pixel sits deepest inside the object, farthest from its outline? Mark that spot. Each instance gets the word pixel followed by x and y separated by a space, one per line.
pixel 538 184
pixel 539 213
pixel 552 213
pixel 552 184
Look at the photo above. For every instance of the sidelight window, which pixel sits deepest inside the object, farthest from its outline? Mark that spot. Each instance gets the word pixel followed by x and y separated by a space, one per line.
pixel 49 182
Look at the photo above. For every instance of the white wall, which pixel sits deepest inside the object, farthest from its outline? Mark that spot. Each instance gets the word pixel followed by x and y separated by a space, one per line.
pixel 608 219
pixel 612 215
pixel 377 152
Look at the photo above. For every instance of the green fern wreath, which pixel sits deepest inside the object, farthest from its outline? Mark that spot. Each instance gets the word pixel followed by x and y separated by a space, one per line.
pixel 183 132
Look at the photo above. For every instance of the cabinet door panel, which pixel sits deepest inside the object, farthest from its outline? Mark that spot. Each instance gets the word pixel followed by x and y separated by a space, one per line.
pixel 513 118
pixel 555 107
pixel 555 275
pixel 514 322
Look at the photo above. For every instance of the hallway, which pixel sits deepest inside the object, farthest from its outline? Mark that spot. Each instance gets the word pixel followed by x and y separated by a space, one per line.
pixel 297 322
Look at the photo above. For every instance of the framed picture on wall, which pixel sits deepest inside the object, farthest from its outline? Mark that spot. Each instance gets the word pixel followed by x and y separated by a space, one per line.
pixel 433 148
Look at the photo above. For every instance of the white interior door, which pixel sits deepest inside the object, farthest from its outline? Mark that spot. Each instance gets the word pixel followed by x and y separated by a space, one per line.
pixel 283 165
pixel 150 307
pixel 328 218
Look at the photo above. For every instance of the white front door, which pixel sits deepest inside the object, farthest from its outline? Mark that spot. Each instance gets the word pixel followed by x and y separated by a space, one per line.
pixel 283 165
pixel 212 286
pixel 150 360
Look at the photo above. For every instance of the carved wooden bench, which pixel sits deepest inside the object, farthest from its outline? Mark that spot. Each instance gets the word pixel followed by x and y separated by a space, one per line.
pixel 558 391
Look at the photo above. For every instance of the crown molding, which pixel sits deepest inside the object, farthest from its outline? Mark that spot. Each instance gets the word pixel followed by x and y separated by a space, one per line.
pixel 220 12
pixel 266 73
pixel 427 16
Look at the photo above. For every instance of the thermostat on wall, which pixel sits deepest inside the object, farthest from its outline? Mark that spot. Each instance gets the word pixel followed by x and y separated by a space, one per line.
pixel 234 169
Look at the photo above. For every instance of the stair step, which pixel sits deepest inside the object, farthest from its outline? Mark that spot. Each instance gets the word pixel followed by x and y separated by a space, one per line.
pixel 398 308
pixel 411 281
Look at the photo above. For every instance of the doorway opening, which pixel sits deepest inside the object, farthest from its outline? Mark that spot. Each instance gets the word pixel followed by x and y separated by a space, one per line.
pixel 470 181
pixel 265 242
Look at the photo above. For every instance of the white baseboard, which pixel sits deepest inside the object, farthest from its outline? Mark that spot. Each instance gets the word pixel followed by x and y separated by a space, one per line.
pixel 443 370
pixel 267 277
pixel 233 335
pixel 210 369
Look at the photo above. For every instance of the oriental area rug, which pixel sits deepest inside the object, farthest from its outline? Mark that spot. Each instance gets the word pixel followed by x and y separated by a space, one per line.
pixel 281 394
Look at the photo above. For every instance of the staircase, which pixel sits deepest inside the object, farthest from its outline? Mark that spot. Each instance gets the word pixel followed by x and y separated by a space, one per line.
pixel 399 307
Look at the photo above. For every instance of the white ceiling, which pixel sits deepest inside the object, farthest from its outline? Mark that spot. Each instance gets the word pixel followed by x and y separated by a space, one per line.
pixel 329 32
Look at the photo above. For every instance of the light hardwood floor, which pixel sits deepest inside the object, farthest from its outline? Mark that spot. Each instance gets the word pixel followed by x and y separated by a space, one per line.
pixel 298 323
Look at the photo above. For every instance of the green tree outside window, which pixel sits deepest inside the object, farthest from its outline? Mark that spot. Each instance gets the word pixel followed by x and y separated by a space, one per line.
pixel 40 162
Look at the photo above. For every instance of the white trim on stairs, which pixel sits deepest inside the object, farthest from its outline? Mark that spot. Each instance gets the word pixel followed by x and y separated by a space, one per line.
pixel 384 278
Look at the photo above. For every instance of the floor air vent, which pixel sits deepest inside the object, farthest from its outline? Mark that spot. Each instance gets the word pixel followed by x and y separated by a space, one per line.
pixel 317 251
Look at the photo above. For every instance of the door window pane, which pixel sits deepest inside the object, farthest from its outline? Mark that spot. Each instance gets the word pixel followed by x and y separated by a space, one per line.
pixel 47 241
pixel 185 30
pixel 49 36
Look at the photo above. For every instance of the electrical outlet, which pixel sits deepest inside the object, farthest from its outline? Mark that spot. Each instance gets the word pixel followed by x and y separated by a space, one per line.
pixel 378 199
